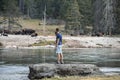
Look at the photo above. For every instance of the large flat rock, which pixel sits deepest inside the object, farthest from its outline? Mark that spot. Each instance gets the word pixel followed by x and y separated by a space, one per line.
pixel 39 71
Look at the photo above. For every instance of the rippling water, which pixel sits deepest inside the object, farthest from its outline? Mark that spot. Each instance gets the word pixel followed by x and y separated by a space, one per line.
pixel 12 72
pixel 14 62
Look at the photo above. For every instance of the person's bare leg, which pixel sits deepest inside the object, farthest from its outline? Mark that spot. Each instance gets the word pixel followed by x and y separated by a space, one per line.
pixel 61 58
pixel 58 58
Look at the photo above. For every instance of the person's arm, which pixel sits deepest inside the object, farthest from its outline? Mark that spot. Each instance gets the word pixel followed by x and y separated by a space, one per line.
pixel 57 40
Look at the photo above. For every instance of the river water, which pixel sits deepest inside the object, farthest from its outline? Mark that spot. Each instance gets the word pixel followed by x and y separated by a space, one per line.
pixel 14 62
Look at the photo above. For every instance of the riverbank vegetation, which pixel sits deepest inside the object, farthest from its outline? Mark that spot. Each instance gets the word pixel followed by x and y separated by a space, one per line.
pixel 1 44
pixel 37 25
pixel 45 42
pixel 85 78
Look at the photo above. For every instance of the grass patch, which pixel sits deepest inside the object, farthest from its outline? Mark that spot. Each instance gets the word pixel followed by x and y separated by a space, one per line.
pixel 118 41
pixel 99 44
pixel 85 78
pixel 43 43
pixel 37 25
pixel 110 45
pixel 115 36
pixel 1 44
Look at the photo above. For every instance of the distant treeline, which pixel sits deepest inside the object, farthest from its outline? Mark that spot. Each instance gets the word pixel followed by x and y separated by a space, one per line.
pixel 77 14
pixel 106 16
pixel 55 9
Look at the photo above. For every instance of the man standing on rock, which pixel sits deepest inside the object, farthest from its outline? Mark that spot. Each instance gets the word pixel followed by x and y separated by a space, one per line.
pixel 58 46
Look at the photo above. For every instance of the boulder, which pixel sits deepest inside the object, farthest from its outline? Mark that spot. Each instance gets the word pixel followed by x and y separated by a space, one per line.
pixel 39 71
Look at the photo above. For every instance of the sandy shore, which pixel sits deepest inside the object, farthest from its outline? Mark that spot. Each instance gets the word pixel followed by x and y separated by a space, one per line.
pixel 93 42
pixel 15 41
pixel 20 41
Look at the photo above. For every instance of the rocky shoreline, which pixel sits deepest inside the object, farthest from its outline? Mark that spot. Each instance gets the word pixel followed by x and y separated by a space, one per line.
pixel 25 41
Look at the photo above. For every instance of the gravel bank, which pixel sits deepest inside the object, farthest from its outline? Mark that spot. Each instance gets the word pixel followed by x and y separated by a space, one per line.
pixel 16 41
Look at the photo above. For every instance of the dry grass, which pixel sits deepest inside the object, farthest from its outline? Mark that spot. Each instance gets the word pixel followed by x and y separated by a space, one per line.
pixel 85 78
pixel 43 43
pixel 99 44
pixel 38 26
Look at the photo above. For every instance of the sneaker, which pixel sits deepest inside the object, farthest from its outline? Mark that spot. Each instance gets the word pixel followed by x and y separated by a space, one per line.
pixel 58 62
pixel 62 62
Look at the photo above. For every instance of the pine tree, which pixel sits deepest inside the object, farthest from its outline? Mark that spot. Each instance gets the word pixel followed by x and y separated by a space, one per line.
pixel 10 8
pixel 1 7
pixel 10 11
pixel 73 25
pixel 87 14
pixel 21 4
pixel 104 20
pixel 117 17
